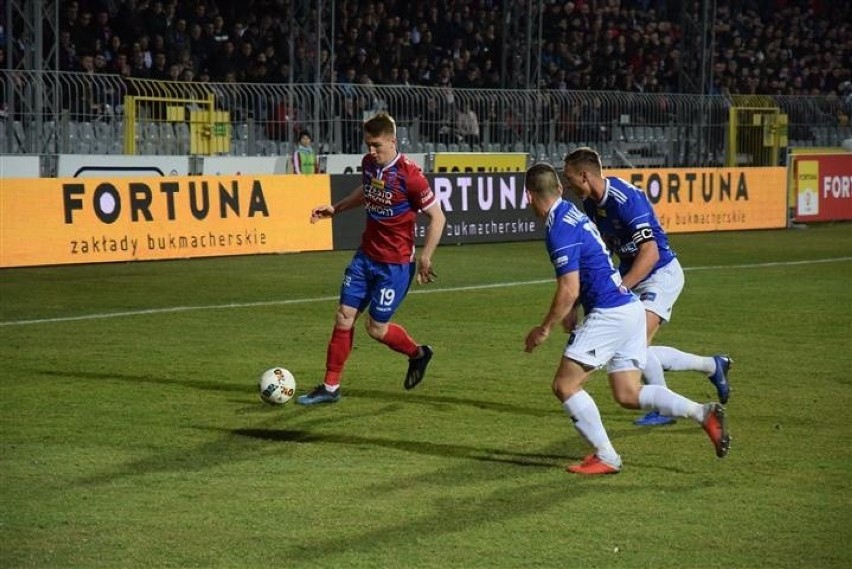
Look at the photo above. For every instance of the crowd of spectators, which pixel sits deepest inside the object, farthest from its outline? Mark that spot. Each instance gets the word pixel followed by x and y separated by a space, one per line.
pixel 788 47
pixel 779 47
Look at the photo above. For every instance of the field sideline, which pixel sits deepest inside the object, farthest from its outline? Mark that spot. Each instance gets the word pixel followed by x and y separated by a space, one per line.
pixel 132 434
pixel 431 290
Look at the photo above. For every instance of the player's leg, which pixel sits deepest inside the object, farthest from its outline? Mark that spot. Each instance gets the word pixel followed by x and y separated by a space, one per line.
pixel 673 359
pixel 584 414
pixel 389 288
pixel 653 374
pixel 658 294
pixel 715 367
pixel 589 347
pixel 353 300
pixel 628 357
pixel 630 393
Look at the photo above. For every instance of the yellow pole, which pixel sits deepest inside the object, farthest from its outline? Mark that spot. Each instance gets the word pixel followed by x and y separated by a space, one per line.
pixel 731 154
pixel 130 124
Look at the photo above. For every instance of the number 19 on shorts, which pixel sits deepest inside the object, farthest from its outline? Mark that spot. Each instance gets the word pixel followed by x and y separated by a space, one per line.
pixel 386 296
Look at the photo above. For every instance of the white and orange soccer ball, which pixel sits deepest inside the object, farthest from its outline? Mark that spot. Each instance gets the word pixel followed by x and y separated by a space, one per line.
pixel 277 386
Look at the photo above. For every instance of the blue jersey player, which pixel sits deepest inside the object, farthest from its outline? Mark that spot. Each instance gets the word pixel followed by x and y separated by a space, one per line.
pixel 648 266
pixel 612 333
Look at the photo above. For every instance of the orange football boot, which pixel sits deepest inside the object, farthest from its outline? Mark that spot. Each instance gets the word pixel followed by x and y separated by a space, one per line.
pixel 717 429
pixel 593 466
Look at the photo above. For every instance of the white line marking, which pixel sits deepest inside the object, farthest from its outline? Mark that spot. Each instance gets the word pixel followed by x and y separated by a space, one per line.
pixel 172 309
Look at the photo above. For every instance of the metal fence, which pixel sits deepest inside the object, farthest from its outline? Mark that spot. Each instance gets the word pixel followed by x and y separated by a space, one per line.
pixel 62 112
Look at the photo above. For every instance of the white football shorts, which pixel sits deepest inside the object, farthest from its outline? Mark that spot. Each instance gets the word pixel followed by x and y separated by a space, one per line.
pixel 611 337
pixel 660 291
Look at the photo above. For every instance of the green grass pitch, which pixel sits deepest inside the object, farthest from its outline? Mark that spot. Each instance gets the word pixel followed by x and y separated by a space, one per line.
pixel 132 434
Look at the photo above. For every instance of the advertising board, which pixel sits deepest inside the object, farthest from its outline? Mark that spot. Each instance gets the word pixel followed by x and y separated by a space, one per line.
pixel 822 187
pixel 480 208
pixel 88 220
pixel 713 199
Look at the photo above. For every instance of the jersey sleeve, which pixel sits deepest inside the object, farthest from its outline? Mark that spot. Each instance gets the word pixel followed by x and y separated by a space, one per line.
pixel 564 249
pixel 420 195
pixel 636 212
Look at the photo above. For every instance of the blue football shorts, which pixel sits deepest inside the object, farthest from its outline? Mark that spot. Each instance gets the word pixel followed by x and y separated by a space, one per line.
pixel 379 286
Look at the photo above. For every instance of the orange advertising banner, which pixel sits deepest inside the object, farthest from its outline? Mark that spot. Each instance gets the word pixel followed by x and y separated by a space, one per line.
pixel 51 221
pixel 713 199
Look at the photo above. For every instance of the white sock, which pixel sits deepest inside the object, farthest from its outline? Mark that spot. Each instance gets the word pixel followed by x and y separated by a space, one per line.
pixel 669 403
pixel 672 359
pixel 653 372
pixel 331 388
pixel 587 420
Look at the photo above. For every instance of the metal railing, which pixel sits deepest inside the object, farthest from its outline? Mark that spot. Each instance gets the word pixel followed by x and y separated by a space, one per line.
pixel 84 113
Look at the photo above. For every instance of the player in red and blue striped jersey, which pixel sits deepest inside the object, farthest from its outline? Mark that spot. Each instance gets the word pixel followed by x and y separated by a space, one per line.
pixel 647 263
pixel 611 335
pixel 393 192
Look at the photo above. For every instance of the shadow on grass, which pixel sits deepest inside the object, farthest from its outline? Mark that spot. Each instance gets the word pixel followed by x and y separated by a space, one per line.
pixel 449 513
pixel 383 538
pixel 442 400
pixel 396 396
pixel 417 447
pixel 202 384
pixel 204 456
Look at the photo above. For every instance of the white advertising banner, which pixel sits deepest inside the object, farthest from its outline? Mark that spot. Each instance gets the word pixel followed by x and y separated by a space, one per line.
pixel 120 165
pixel 19 167
pixel 246 165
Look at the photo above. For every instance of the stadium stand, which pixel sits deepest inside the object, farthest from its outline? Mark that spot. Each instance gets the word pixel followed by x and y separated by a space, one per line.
pixel 609 74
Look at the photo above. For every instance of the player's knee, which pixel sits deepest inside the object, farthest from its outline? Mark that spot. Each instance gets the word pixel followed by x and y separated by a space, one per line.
pixel 627 396
pixel 376 330
pixel 343 319
pixel 569 378
pixel 563 389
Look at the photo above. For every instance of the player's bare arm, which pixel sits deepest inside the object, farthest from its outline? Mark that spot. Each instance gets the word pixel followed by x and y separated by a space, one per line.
pixel 564 299
pixel 326 211
pixel 643 264
pixel 434 230
pixel 570 321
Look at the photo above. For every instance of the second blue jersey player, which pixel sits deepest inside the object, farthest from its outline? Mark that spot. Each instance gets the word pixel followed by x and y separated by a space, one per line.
pixel 647 264
pixel 611 335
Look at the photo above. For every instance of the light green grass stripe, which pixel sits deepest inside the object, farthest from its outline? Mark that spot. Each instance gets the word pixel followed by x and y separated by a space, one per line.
pixel 173 309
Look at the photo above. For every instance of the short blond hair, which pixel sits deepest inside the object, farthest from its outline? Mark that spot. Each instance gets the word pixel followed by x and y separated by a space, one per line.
pixel 585 156
pixel 380 124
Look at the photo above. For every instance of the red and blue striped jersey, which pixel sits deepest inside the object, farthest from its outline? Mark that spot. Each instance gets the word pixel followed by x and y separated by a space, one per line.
pixel 393 194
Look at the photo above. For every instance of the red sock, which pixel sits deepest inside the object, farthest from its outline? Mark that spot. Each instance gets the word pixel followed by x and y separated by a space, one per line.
pixel 398 340
pixel 339 347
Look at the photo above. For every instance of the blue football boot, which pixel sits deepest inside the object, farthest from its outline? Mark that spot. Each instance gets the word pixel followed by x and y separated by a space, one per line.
pixel 720 377
pixel 654 419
